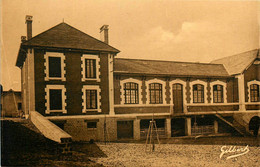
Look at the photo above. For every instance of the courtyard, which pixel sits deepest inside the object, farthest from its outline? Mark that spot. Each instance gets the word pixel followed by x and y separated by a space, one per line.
pixel 23 145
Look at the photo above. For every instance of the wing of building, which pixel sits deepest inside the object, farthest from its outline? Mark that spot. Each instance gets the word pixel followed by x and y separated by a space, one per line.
pixel 77 82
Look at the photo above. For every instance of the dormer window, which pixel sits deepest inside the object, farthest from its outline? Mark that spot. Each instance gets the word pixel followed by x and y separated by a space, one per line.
pixel 90 67
pixel 54 66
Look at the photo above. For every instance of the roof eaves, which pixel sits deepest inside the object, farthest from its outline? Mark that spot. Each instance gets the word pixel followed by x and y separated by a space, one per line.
pixel 147 73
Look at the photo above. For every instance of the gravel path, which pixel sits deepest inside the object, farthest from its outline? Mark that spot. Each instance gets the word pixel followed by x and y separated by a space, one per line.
pixel 131 154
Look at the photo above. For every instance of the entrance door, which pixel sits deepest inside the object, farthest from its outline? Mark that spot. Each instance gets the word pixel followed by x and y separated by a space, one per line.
pixel 177 98
pixel 124 129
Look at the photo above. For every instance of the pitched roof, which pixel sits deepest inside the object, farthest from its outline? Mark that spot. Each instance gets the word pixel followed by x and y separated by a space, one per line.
pixel 66 36
pixel 236 64
pixel 168 68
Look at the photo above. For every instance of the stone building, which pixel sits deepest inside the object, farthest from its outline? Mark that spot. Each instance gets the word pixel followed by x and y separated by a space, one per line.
pixel 11 103
pixel 77 82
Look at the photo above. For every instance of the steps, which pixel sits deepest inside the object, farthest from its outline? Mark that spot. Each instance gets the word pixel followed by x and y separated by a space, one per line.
pixel 237 126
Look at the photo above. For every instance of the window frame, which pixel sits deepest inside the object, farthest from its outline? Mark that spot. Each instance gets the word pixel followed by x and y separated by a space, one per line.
pixel 200 82
pixel 47 68
pixel 98 98
pixel 91 128
pixel 219 93
pixel 202 93
pixel 155 80
pixel 224 85
pixel 135 90
pixel 122 97
pixel 85 57
pixel 153 92
pixel 47 98
pixel 253 82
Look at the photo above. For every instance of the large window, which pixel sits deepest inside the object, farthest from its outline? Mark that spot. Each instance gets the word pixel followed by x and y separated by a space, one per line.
pixel 155 90
pixel 90 68
pixel 198 93
pixel 218 94
pixel 54 66
pixel 131 93
pixel 91 99
pixel 254 93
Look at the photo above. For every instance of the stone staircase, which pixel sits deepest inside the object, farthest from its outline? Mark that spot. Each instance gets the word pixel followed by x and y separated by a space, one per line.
pixel 236 125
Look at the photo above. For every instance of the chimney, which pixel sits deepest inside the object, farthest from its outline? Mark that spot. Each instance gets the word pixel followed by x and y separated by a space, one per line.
pixel 23 38
pixel 104 33
pixel 28 21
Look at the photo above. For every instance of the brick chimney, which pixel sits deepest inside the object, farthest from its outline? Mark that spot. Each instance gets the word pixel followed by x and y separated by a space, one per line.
pixel 28 21
pixel 104 33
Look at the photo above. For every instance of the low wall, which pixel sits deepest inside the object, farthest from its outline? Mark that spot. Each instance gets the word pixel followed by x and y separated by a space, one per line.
pixel 49 129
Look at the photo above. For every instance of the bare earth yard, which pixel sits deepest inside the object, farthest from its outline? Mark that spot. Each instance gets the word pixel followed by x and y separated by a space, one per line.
pixel 129 154
pixel 23 145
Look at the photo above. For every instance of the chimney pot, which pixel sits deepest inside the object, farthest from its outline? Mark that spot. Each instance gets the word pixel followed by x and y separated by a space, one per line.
pixel 23 38
pixel 28 21
pixel 104 33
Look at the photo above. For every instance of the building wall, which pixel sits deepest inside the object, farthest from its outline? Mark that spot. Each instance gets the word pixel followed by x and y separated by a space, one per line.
pixel 104 84
pixel 231 94
pixel 73 83
pixel 9 102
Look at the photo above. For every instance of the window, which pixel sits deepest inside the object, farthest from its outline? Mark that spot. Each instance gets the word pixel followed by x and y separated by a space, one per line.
pixel 155 90
pixel 55 98
pixel 198 93
pixel 54 66
pixel 254 93
pixel 131 93
pixel 90 67
pixel 218 94
pixel 91 99
pixel 91 125
pixel 19 106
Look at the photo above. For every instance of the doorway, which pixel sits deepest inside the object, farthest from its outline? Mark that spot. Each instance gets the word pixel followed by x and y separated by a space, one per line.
pixel 124 129
pixel 177 92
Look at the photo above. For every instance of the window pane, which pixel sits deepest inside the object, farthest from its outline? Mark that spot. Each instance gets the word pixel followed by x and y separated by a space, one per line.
pixel 254 93
pixel 54 67
pixel 55 99
pixel 131 93
pixel 198 93
pixel 91 99
pixel 91 124
pixel 90 68
pixel 156 93
pixel 218 94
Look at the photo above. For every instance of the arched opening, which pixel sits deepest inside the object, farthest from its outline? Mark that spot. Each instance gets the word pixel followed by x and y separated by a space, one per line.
pixel 254 125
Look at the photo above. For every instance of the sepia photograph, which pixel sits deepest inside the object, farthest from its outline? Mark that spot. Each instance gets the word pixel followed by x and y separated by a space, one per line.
pixel 130 83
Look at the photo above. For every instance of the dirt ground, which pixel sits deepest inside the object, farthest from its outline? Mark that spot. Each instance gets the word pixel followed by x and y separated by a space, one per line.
pixel 166 155
pixel 23 145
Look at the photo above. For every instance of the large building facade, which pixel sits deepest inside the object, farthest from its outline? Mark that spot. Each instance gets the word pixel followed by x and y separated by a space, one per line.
pixel 77 82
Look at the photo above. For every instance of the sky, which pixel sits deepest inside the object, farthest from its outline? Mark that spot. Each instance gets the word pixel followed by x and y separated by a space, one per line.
pixel 190 31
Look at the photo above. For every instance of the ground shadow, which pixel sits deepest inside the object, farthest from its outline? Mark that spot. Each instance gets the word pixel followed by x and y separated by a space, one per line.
pixel 22 146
